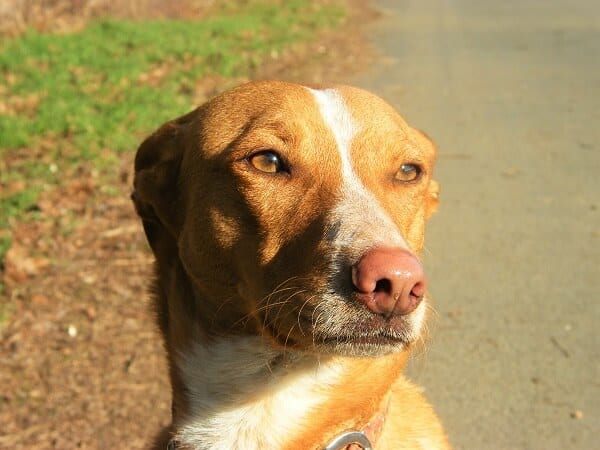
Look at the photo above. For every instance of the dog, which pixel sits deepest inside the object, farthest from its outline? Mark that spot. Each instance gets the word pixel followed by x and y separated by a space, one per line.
pixel 286 223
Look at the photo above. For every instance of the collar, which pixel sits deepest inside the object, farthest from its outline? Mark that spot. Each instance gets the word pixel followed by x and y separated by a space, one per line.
pixel 366 438
pixel 363 439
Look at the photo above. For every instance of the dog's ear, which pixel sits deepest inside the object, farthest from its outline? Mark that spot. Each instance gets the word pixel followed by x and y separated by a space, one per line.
pixel 434 197
pixel 433 189
pixel 156 192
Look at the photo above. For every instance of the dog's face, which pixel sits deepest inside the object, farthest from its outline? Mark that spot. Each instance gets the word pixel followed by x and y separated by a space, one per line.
pixel 270 194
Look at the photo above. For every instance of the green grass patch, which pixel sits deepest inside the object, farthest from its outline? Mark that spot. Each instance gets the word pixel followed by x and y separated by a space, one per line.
pixel 13 204
pixel 100 87
pixel 91 95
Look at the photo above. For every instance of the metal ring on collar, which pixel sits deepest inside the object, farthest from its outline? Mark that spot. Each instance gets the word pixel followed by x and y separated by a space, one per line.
pixel 351 437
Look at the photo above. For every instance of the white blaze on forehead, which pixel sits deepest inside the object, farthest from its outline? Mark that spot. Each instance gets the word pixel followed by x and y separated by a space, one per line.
pixel 338 119
pixel 358 206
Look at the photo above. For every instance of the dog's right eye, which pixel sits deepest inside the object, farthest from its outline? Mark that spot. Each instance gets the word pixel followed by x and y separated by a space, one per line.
pixel 268 161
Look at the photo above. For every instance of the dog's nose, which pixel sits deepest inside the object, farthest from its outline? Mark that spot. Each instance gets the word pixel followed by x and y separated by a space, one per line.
pixel 389 281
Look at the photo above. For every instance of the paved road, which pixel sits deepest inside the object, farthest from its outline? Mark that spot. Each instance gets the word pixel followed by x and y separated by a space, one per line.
pixel 511 93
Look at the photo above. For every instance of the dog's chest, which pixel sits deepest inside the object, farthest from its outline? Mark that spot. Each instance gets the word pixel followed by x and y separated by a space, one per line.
pixel 239 400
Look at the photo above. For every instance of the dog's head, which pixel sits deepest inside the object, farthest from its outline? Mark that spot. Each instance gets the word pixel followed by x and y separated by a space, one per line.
pixel 293 212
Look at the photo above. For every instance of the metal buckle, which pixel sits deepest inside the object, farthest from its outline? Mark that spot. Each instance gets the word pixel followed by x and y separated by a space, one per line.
pixel 350 437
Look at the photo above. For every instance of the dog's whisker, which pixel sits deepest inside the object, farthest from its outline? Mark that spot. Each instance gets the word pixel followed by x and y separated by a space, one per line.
pixel 264 303
pixel 431 309
pixel 306 302
pixel 221 306
pixel 279 289
pixel 315 322
pixel 257 310
pixel 284 282
pixel 287 338
pixel 281 304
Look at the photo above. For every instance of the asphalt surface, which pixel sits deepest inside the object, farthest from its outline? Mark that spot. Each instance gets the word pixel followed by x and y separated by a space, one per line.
pixel 510 91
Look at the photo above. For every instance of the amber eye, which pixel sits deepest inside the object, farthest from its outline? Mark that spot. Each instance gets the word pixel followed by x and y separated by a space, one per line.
pixel 408 172
pixel 268 161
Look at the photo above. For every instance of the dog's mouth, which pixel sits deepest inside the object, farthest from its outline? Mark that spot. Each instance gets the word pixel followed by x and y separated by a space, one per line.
pixel 335 327
pixel 371 339
pixel 381 338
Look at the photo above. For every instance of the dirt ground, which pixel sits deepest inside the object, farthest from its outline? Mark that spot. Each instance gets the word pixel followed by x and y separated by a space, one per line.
pixel 81 362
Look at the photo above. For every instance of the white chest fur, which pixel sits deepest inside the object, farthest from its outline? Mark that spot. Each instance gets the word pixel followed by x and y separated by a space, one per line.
pixel 244 394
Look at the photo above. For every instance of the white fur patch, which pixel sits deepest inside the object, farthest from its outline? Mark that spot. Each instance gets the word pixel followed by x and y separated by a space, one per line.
pixel 358 209
pixel 363 222
pixel 342 125
pixel 239 402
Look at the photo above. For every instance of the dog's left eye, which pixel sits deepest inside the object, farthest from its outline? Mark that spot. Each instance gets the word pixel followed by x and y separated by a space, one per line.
pixel 408 172
pixel 268 161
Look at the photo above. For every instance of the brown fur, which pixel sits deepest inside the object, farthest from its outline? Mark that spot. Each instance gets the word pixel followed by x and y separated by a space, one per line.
pixel 226 236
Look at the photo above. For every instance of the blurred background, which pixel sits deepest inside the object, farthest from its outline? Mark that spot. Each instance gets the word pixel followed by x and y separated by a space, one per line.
pixel 508 91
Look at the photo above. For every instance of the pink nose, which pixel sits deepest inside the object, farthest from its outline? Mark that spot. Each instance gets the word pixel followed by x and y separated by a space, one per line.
pixel 389 281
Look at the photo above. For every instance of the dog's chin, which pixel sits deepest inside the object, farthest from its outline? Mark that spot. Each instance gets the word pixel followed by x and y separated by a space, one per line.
pixel 360 335
pixel 352 342
pixel 377 340
pixel 367 348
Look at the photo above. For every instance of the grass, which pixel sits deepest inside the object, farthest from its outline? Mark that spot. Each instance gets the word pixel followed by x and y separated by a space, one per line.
pixel 91 95
pixel 89 87
pixel 85 98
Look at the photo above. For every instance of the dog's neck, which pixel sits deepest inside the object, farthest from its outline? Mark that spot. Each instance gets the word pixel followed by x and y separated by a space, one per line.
pixel 240 387
pixel 245 391
pixel 242 392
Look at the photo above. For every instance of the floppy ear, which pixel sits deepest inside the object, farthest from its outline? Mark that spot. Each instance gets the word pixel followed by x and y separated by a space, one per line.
pixel 433 189
pixel 156 193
